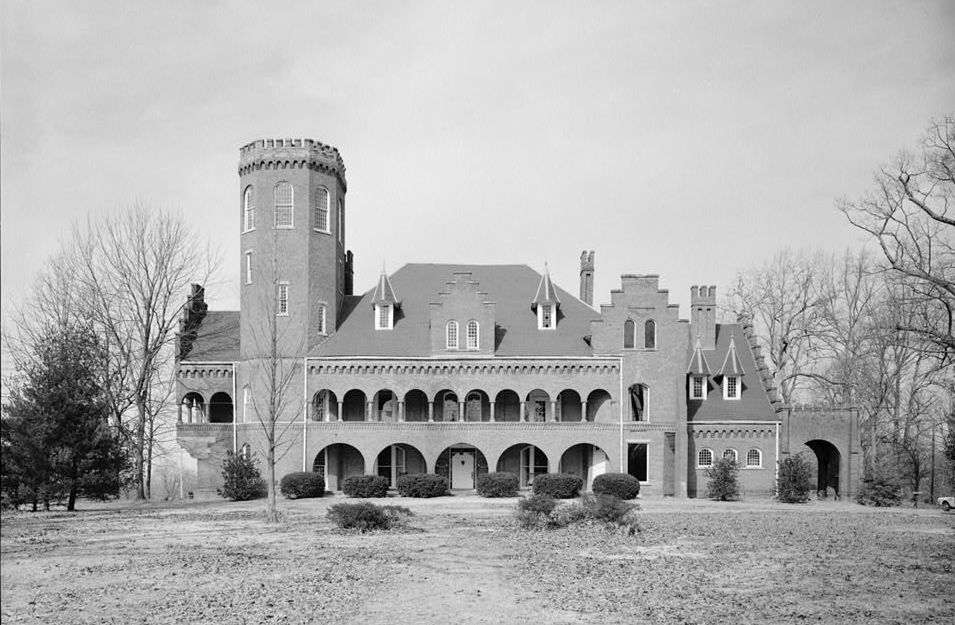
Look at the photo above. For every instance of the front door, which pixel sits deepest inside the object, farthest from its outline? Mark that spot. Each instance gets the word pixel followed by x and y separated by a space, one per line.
pixel 462 470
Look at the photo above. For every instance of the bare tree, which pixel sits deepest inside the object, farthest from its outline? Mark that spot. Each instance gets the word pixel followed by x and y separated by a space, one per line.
pixel 911 215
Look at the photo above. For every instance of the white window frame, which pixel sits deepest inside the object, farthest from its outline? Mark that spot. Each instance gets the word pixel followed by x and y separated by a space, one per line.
pixel 248 209
pixel 649 463
pixel 322 320
pixel 248 267
pixel 759 458
pixel 730 450
pixel 290 206
pixel 726 387
pixel 316 210
pixel 282 294
pixel 543 311
pixel 451 339
pixel 699 454
pixel 476 344
pixel 693 394
pixel 386 311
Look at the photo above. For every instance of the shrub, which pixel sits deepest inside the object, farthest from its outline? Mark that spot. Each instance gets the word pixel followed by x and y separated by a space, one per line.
pixel 795 480
pixel 724 480
pixel 422 485
pixel 365 486
pixel 559 485
pixel 498 485
pixel 543 512
pixel 880 492
pixel 620 485
pixel 535 512
pixel 241 478
pixel 366 516
pixel 302 485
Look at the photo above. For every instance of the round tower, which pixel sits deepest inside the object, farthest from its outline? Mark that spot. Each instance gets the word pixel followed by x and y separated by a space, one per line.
pixel 292 244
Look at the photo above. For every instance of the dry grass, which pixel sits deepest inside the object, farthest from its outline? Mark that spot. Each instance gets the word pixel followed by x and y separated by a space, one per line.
pixel 694 562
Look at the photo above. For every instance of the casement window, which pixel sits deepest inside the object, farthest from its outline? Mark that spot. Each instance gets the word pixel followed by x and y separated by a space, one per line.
pixel 321 319
pixel 730 454
pixel 629 332
pixel 698 387
pixel 650 334
pixel 248 267
pixel 284 205
pixel 754 459
pixel 341 221
pixel 452 335
pixel 320 211
pixel 731 387
pixel 473 335
pixel 283 298
pixel 384 316
pixel 704 459
pixel 545 317
pixel 248 209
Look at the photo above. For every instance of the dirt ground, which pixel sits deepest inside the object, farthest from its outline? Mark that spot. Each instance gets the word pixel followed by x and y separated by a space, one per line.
pixel 465 559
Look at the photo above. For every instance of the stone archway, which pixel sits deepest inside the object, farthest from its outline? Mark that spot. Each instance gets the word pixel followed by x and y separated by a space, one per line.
pixel 828 465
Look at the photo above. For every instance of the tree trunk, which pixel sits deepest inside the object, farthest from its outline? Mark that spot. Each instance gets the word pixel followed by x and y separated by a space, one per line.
pixel 138 445
pixel 271 512
pixel 71 502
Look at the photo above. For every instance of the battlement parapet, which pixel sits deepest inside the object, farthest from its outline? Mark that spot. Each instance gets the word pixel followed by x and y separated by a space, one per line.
pixel 289 154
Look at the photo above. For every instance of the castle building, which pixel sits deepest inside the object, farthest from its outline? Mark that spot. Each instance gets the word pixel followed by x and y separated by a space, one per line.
pixel 462 369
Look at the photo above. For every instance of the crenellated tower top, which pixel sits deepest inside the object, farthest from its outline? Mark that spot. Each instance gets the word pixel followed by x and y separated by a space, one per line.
pixel 291 153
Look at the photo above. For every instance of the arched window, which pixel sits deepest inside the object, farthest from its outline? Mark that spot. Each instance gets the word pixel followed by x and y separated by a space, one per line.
pixel 341 221
pixel 473 334
pixel 650 334
pixel 245 452
pixel 452 335
pixel 248 209
pixel 628 334
pixel 730 454
pixel 321 209
pixel 284 201
pixel 754 458
pixel 705 458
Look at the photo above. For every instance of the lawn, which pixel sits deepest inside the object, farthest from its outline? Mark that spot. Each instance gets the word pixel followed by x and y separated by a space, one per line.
pixel 465 560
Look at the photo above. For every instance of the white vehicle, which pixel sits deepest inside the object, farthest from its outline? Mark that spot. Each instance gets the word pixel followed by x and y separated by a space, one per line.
pixel 947 503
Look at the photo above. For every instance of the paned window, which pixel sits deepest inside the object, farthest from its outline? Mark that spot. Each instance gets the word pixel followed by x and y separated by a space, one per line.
pixel 321 209
pixel 628 334
pixel 754 458
pixel 698 387
pixel 704 458
pixel 547 316
pixel 284 202
pixel 452 335
pixel 473 334
pixel 650 334
pixel 321 318
pixel 731 387
pixel 248 209
pixel 730 454
pixel 384 317
pixel 283 298
pixel 248 267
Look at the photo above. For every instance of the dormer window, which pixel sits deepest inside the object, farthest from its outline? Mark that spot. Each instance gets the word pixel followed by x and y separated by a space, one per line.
pixel 731 387
pixel 452 335
pixel 698 387
pixel 546 303
pixel 384 316
pixel 545 316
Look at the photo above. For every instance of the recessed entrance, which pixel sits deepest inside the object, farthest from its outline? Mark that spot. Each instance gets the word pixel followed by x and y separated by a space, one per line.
pixel 828 461
pixel 461 464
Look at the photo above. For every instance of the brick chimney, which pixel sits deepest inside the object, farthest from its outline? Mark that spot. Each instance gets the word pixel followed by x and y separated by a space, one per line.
pixel 703 316
pixel 587 277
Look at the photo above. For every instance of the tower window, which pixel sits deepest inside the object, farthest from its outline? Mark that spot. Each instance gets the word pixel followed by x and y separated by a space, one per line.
pixel 731 387
pixel 473 335
pixel 321 209
pixel 698 387
pixel 650 334
pixel 284 203
pixel 628 334
pixel 248 267
pixel 452 335
pixel 341 221
pixel 248 209
pixel 321 319
pixel 283 298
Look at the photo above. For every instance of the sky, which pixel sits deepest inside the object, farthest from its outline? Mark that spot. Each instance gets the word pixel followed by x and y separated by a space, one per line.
pixel 686 139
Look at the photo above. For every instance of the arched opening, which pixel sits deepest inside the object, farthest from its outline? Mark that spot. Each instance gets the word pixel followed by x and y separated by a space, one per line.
pixel 650 334
pixel 192 409
pixel 477 406
pixel 525 461
pixel 569 406
pixel 828 463
pixel 400 459
pixel 585 460
pixel 639 400
pixel 353 406
pixel 507 406
pixel 337 462
pixel 220 408
pixel 385 406
pixel 538 406
pixel 416 405
pixel 628 334
pixel 324 406
pixel 446 406
pixel 599 406
pixel 461 464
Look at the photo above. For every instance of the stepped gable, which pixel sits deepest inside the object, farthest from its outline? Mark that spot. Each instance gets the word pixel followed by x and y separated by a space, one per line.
pixel 755 402
pixel 762 369
pixel 217 338
pixel 419 284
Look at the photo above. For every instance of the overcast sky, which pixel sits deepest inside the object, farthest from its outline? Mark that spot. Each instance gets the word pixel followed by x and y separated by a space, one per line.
pixel 685 139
